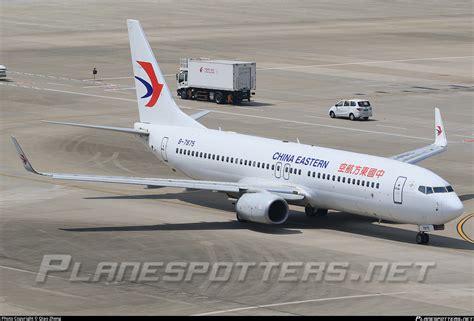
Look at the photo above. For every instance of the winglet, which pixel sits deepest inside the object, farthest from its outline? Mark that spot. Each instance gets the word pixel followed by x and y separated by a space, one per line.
pixel 23 158
pixel 440 133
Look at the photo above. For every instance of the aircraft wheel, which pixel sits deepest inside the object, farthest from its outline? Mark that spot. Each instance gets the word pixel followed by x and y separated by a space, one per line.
pixel 309 211
pixel 322 212
pixel 422 238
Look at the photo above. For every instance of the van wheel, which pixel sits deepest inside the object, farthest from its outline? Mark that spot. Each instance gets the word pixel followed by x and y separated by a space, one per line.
pixel 332 115
pixel 366 118
pixel 219 98
pixel 352 117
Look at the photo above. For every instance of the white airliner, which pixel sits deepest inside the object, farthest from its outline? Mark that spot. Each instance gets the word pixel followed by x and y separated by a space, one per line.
pixel 265 175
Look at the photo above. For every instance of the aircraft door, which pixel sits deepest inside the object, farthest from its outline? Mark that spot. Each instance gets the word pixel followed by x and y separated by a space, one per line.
pixel 398 190
pixel 164 143
pixel 278 170
pixel 286 171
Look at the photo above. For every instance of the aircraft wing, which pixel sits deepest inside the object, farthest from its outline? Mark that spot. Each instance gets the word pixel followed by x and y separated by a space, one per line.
pixel 287 192
pixel 439 146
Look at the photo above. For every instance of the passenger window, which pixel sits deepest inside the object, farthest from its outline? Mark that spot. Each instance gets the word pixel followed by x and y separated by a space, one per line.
pixel 227 159
pixel 373 184
pixel 333 178
pixel 319 175
pixel 339 178
pixel 273 167
pixel 309 173
pixel 213 156
pixel 286 170
pixel 348 180
pixel 362 183
pixel 200 154
pixel 343 179
pixel 258 164
pixel 378 185
pixel 299 172
pixel 328 177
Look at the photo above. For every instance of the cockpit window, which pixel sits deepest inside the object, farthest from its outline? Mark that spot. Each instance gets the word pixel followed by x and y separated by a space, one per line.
pixel 438 189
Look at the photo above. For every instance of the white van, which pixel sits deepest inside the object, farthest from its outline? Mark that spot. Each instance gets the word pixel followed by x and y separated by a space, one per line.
pixel 351 108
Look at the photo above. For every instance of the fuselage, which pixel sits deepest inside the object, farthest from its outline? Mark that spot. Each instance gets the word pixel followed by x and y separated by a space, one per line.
pixel 334 179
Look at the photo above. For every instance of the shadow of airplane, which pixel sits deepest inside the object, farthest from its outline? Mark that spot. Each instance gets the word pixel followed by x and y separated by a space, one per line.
pixel 296 223
pixel 466 197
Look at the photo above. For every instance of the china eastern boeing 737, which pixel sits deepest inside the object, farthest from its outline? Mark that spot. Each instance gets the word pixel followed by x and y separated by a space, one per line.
pixel 265 175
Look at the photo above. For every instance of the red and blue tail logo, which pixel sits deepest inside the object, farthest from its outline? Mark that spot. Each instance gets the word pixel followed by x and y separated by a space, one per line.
pixel 154 89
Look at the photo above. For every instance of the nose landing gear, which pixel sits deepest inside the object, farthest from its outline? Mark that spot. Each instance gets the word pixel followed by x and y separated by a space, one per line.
pixel 422 238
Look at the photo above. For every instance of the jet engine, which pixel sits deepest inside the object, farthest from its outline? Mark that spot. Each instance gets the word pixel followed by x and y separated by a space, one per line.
pixel 262 207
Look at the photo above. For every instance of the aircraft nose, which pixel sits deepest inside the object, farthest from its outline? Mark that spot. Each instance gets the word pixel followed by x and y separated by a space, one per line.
pixel 453 207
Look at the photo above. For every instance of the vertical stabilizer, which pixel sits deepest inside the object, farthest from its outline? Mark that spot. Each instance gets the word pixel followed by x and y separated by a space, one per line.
pixel 155 103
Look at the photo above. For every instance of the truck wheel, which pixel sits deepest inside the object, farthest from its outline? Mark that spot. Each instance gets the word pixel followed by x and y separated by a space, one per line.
pixel 236 100
pixel 183 94
pixel 219 98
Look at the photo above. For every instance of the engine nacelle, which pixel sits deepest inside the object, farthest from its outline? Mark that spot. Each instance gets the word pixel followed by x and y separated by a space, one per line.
pixel 262 207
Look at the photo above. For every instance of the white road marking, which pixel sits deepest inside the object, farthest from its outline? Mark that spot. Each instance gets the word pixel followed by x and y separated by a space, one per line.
pixel 363 63
pixel 29 272
pixel 464 136
pixel 391 126
pixel 316 117
pixel 124 77
pixel 301 302
pixel 247 115
pixel 98 86
pixel 65 85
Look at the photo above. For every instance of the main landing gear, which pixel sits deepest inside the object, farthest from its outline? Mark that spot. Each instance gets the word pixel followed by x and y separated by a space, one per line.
pixel 422 238
pixel 311 211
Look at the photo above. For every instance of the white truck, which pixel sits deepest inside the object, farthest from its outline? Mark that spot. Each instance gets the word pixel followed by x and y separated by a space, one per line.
pixel 221 81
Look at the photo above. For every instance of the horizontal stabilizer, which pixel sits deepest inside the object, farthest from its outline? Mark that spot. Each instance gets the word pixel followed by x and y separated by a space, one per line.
pixel 115 129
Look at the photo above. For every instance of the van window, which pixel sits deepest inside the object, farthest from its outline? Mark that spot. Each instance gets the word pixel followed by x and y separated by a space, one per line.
pixel 353 103
pixel 364 103
pixel 346 103
pixel 340 103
